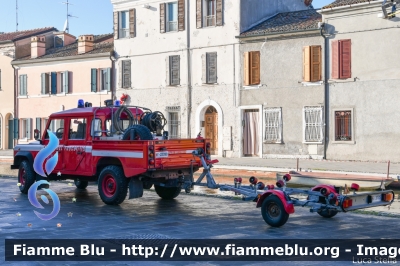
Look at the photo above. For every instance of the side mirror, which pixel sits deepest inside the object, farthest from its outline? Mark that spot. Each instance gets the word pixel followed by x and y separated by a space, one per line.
pixel 36 134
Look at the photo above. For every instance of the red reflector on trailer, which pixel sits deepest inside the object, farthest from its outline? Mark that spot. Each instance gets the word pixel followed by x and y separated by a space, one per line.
pixel 347 203
pixel 387 197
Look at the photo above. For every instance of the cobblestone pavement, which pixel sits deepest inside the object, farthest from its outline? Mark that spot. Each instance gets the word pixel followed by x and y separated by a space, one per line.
pixel 186 217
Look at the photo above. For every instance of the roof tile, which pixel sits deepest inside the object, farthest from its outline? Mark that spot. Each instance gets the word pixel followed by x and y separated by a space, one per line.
pixel 17 35
pixel 338 3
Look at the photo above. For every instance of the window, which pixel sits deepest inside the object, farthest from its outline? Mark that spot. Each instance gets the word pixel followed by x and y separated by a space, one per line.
pixel 104 79
pixel 313 124
pixel 208 13
pixel 172 16
pixel 343 125
pixel 25 126
pixel 252 68
pixel 39 124
pixel 273 125
pixel 45 77
pixel 174 125
pixel 58 41
pixel 59 82
pixel 1 130
pixel 341 59
pixel 125 75
pixel 77 128
pixel 174 70
pixel 124 24
pixel 23 85
pixel 312 63
pixel 57 127
pixel 210 68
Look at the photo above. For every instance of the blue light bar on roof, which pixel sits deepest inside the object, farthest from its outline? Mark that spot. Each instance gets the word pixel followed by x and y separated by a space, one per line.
pixel 81 103
pixel 117 103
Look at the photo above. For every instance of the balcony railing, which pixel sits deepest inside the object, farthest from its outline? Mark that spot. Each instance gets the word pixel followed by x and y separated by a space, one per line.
pixel 172 25
pixel 123 33
pixel 209 21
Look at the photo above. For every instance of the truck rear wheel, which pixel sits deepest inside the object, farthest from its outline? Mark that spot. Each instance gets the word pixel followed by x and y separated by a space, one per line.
pixel 26 176
pixel 273 212
pixel 81 184
pixel 113 185
pixel 327 213
pixel 167 192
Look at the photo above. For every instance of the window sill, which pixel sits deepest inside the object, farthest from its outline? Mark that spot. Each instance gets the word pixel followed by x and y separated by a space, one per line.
pixel 312 142
pixel 60 94
pixel 351 142
pixel 313 83
pixel 252 87
pixel 22 96
pixel 103 92
pixel 209 84
pixel 272 142
pixel 342 80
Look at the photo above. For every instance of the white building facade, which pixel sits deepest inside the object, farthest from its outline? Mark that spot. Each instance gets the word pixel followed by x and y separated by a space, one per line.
pixel 182 58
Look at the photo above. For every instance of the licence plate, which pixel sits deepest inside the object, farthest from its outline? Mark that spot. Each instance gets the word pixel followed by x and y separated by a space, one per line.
pixel 162 154
pixel 376 198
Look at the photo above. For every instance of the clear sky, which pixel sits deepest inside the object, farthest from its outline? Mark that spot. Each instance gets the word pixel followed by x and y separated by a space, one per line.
pixel 94 16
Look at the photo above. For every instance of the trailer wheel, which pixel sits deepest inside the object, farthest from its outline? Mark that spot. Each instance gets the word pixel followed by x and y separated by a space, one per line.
pixel 81 184
pixel 140 132
pixel 113 185
pixel 327 213
pixel 167 192
pixel 26 176
pixel 273 212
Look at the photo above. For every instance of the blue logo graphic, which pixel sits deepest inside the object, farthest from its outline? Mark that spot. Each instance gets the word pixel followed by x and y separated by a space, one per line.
pixel 45 153
pixel 35 202
pixel 49 167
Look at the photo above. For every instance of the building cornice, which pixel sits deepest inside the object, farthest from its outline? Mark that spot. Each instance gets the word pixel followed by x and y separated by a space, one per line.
pixel 279 34
pixel 61 59
pixel 350 8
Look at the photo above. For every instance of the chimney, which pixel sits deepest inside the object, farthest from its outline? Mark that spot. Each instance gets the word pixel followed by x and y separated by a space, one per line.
pixel 38 46
pixel 85 43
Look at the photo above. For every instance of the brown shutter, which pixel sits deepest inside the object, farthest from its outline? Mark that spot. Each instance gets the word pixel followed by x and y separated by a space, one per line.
pixel 345 59
pixel 246 69
pixel 174 70
pixel 120 74
pixel 199 14
pixel 306 63
pixel 315 63
pixel 126 65
pixel 162 17
pixel 167 70
pixel 212 67
pixel 219 13
pixel 255 67
pixel 335 60
pixel 115 25
pixel 132 24
pixel 181 15
pixel 204 68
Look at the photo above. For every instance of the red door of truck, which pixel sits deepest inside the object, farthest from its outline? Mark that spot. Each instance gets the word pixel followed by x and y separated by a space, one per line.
pixel 75 147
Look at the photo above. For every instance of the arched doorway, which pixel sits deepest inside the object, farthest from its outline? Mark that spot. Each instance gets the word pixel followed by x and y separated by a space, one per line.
pixel 9 132
pixel 211 128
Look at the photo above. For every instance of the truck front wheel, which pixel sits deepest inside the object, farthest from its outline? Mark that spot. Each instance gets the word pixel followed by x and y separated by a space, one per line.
pixel 167 192
pixel 81 184
pixel 113 185
pixel 26 176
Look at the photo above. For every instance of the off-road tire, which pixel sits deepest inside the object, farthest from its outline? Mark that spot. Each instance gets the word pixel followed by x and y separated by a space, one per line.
pixel 26 176
pixel 167 193
pixel 112 185
pixel 273 211
pixel 81 184
pixel 327 213
pixel 141 133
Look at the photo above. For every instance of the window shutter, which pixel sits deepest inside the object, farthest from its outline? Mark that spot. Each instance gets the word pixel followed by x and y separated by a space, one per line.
pixel 335 60
pixel 199 14
pixel 120 74
pixel 126 66
pixel 25 85
pixel 167 71
pixel 53 83
pixel 116 28
pixel 108 82
pixel 132 20
pixel 38 123
pixel 162 17
pixel 181 15
pixel 306 63
pixel 21 85
pixel 255 68
pixel 204 68
pixel 43 91
pixel 28 128
pixel 174 71
pixel 219 13
pixel 93 80
pixel 16 128
pixel 246 68
pixel 315 63
pixel 212 67
pixel 345 59
pixel 66 82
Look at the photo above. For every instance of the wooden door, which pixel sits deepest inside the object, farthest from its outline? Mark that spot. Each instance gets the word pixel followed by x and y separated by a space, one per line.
pixel 211 127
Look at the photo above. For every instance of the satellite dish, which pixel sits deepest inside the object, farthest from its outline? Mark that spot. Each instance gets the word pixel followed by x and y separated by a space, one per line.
pixel 66 25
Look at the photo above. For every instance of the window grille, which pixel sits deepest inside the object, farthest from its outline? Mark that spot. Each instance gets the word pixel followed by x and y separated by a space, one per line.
pixel 313 124
pixel 273 125
pixel 343 126
pixel 174 125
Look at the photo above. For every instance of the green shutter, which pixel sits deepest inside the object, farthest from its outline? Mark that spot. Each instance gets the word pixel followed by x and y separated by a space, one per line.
pixel 108 85
pixel 94 80
pixel 53 83
pixel 16 128
pixel 43 83
pixel 65 82
pixel 28 128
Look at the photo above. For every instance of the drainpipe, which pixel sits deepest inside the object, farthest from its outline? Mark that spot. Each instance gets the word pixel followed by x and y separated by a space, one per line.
pixel 189 66
pixel 326 89
pixel 112 87
pixel 15 141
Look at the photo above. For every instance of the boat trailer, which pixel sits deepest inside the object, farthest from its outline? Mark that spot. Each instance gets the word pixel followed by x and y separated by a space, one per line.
pixel 277 201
